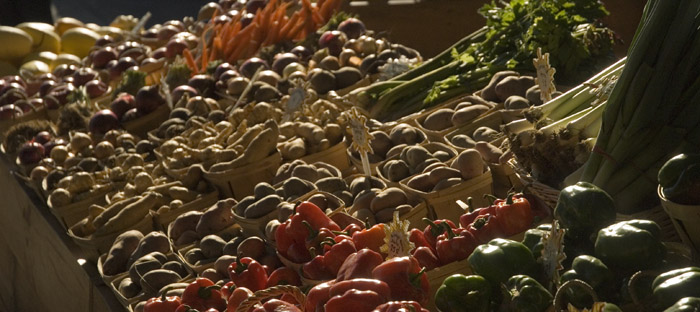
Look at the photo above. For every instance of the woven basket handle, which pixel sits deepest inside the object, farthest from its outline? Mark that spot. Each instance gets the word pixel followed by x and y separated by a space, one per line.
pixel 559 296
pixel 642 304
pixel 275 291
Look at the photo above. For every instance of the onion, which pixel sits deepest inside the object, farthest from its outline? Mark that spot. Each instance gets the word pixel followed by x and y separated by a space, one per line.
pixel 148 99
pixel 50 145
pixel 42 137
pixel 222 68
pixel 352 27
pixel 39 173
pixel 281 61
pixel 10 111
pixel 59 153
pixel 252 6
pixel 302 52
pixel 83 75
pixel 247 19
pixel 30 153
pixel 205 84
pixel 333 40
pixel 95 88
pixel 130 115
pixel 179 91
pixel 103 121
pixel 121 104
pixel 104 149
pixel 251 65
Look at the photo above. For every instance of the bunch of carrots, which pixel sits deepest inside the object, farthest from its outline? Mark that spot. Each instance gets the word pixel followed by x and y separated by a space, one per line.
pixel 232 42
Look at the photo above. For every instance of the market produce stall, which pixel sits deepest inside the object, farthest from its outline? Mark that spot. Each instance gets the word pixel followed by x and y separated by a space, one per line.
pixel 281 156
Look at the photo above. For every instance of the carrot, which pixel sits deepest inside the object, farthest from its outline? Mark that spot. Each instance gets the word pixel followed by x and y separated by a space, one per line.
pixel 319 4
pixel 317 18
pixel 287 27
pixel 242 37
pixel 190 61
pixel 271 36
pixel 230 42
pixel 216 49
pixel 299 25
pixel 327 8
pixel 205 55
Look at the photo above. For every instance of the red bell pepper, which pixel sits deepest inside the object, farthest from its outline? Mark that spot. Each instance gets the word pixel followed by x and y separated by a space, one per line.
pixel 514 214
pixel 406 279
pixel 318 296
pixel 455 245
pixel 334 258
pixel 162 304
pixel 372 238
pixel 417 237
pixel 352 228
pixel 316 269
pixel 248 273
pixel 227 289
pixel 485 228
pixel 283 276
pixel 291 235
pixel 400 306
pixel 276 305
pixel 202 294
pixel 426 258
pixel 377 286
pixel 354 300
pixel 359 265
pixel 466 219
pixel 316 238
pixel 237 296
pixel 435 229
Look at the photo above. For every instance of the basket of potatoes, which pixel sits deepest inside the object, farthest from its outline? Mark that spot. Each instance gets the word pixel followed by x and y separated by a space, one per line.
pixel 386 142
pixel 439 121
pixel 312 143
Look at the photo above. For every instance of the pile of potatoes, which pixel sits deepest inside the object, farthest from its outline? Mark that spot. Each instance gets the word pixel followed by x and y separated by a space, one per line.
pixel 386 144
pixel 444 174
pixel 513 90
pixel 192 226
pixel 456 114
pixel 297 178
pixel 378 205
pixel 148 260
pixel 414 159
pixel 222 252
pixel 299 139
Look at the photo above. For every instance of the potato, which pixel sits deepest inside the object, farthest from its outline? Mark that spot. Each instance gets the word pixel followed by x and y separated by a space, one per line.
pixel 154 280
pixel 489 152
pixel 467 114
pixel 334 133
pixel 285 211
pixel 152 242
pixel 395 170
pixel 263 207
pixel 402 134
pixel 263 189
pixel 331 184
pixel 381 143
pixel 253 247
pixel 488 93
pixel 415 155
pixel 513 86
pixel 212 275
pixel 385 215
pixel 194 255
pixel 533 95
pixel 345 196
pixel 516 102
pixel 443 173
pixel 469 164
pixel 323 165
pixel 295 187
pixel 212 246
pixel 324 173
pixel 388 198
pixel 485 134
pixel 433 166
pixel 293 149
pixel 231 247
pixel 184 222
pixel 176 267
pixel 142 266
pixel 186 238
pixel 216 218
pixel 462 105
pixel 241 207
pixel 221 264
pixel 404 209
pixel 305 172
pixel 447 183
pixel 442 156
pixel 425 164
pixel 271 229
pixel 396 150
pixel 118 255
pixel 420 182
pixel 365 215
pixel 463 141
pixel 128 288
pixel 364 199
pixel 439 120
pixel 360 183
pixel 319 200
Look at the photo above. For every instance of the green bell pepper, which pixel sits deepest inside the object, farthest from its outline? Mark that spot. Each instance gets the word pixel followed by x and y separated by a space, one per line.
pixel 674 167
pixel 583 209
pixel 533 239
pixel 592 271
pixel 687 304
pixel 527 295
pixel 630 245
pixel 673 285
pixel 464 293
pixel 500 259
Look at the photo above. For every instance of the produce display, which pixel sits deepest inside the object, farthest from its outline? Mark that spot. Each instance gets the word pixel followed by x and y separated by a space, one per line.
pixel 280 156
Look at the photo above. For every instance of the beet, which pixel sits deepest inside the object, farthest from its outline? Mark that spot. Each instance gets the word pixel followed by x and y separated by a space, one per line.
pixel 103 121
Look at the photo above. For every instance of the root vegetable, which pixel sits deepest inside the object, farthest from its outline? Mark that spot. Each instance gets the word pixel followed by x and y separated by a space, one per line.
pixel 469 164
pixel 389 198
pixel 130 215
pixel 293 149
pixel 112 211
pixel 152 242
pixel 489 152
pixel 216 218
pixel 262 207
pixel 465 115
pixel 513 85
pixel 182 193
pixel 489 92
pixel 516 102
pixel 463 141
pixel 212 246
pixel 447 183
pixel 485 134
pixel 443 173
pixel 396 170
pixel 122 248
pixel 439 120
pixel 60 197
pixel 420 182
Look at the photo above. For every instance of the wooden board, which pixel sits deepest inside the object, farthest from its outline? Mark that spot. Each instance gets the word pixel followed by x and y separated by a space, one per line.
pixel 39 263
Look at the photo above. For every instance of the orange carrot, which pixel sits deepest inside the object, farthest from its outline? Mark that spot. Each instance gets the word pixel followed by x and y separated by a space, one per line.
pixel 190 61
pixel 287 27
pixel 271 36
pixel 299 25
pixel 242 37
pixel 326 10
pixel 317 18
pixel 204 57
pixel 319 4
pixel 216 49
pixel 230 43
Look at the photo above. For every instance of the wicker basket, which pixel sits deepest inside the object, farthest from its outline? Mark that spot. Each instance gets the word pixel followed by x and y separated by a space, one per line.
pixel 548 195
pixel 255 227
pixel 40 113
pixel 240 182
pixel 73 213
pixel 443 203
pixel 201 203
pixel 684 218
pixel 336 156
pixel 274 291
pixel 94 246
